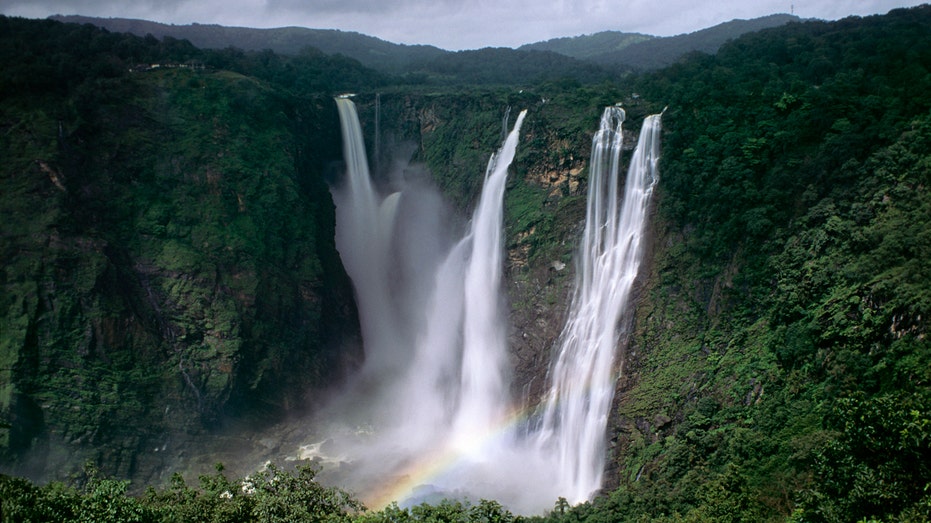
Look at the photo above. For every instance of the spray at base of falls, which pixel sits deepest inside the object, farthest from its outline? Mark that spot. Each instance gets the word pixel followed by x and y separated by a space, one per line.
pixel 434 386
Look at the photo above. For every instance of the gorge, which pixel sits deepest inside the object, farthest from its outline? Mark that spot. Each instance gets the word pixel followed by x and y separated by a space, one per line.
pixel 435 382
pixel 174 293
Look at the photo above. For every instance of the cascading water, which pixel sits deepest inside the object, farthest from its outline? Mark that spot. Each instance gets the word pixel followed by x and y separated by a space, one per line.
pixel 366 223
pixel 435 373
pixel 484 347
pixel 458 375
pixel 583 375
pixel 437 355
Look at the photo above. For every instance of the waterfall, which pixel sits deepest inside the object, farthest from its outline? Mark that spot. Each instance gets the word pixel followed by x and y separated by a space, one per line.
pixel 435 382
pixel 364 231
pixel 484 389
pixel 435 375
pixel 457 388
pixel 377 130
pixel 504 123
pixel 583 374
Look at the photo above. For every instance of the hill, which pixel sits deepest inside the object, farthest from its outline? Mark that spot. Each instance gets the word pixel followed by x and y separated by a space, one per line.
pixel 608 48
pixel 588 46
pixel 504 66
pixel 368 50
pixel 782 353
pixel 655 53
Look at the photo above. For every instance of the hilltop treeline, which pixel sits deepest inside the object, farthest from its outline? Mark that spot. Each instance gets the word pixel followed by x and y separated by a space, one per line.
pixel 779 368
pixel 48 56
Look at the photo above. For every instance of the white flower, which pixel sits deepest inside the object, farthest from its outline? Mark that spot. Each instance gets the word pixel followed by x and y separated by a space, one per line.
pixel 248 487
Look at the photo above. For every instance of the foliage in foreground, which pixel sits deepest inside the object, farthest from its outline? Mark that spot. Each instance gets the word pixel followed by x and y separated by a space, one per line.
pixel 275 494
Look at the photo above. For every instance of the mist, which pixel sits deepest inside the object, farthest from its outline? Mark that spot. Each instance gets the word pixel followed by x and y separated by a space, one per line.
pixel 429 415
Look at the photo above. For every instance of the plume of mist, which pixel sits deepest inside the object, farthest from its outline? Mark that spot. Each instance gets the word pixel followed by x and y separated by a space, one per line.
pixel 429 416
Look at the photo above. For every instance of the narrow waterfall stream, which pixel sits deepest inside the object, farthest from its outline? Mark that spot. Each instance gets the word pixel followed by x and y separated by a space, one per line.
pixel 584 372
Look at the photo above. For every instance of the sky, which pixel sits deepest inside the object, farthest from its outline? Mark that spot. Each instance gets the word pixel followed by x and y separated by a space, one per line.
pixel 458 24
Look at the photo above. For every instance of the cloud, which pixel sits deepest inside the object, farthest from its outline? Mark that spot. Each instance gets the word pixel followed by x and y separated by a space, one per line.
pixel 458 24
pixel 341 7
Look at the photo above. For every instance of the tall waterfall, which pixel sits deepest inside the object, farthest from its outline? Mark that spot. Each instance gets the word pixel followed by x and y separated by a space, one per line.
pixel 435 383
pixel 364 235
pixel 484 347
pixel 584 372
pixel 435 376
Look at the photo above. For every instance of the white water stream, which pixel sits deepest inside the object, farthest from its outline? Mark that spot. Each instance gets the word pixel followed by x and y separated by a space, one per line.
pixel 584 373
pixel 433 392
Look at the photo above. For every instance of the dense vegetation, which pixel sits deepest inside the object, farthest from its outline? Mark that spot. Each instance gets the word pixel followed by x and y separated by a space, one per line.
pixel 782 351
pixel 271 495
pixel 502 66
pixel 50 57
pixel 588 46
pixel 370 51
pixel 160 230
pixel 643 52
pixel 656 53
pixel 779 368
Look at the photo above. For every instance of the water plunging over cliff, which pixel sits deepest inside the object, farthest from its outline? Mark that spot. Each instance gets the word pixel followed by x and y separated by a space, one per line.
pixel 435 377
pixel 435 380
pixel 584 373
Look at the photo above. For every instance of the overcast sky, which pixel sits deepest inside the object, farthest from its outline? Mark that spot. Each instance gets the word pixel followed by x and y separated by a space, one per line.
pixel 458 24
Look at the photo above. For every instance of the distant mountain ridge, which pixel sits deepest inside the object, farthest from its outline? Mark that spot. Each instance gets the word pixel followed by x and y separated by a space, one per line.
pixel 651 52
pixel 660 52
pixel 503 65
pixel 606 48
pixel 585 47
pixel 368 50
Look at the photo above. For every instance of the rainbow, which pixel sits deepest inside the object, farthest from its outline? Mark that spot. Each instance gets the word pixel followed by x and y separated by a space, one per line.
pixel 436 463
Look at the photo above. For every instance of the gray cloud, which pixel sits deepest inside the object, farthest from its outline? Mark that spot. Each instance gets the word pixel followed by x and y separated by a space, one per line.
pixel 458 24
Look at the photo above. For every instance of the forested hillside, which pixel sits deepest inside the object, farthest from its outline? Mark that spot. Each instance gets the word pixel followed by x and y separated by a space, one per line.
pixel 660 52
pixel 168 250
pixel 644 52
pixel 288 41
pixel 782 361
pixel 164 232
pixel 587 46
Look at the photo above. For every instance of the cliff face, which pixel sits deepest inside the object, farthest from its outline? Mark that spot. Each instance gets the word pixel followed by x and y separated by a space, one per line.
pixel 454 135
pixel 169 265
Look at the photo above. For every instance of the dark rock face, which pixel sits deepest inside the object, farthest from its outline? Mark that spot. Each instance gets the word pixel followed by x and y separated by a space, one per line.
pixel 544 203
pixel 174 271
pixel 171 267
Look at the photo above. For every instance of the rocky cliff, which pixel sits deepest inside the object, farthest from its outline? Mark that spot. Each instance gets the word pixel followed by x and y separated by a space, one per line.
pixel 169 267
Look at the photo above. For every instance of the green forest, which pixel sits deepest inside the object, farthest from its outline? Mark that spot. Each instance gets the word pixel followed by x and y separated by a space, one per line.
pixel 169 266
